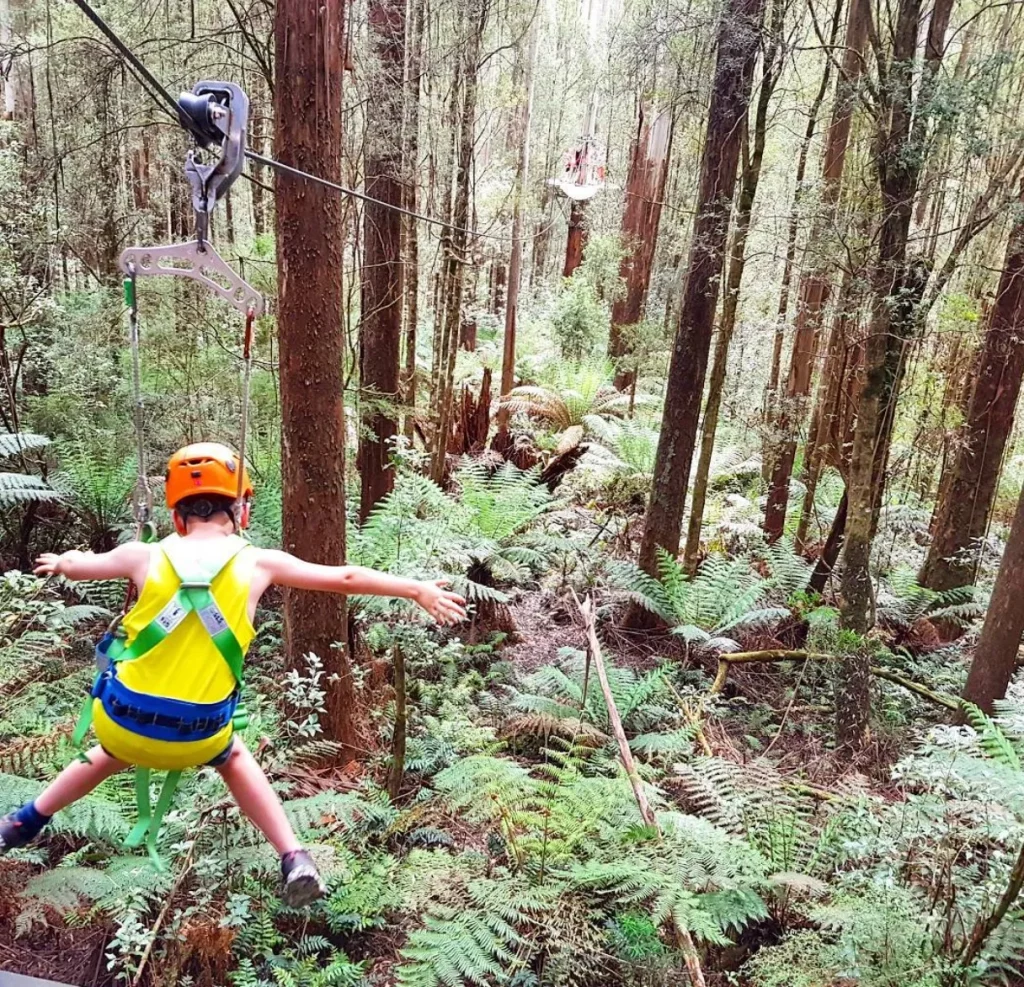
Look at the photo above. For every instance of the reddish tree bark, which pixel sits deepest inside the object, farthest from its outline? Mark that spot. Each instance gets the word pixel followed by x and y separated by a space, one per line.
pixel 739 36
pixel 455 245
pixel 815 284
pixel 645 191
pixel 995 658
pixel 576 240
pixel 969 491
pixel 380 329
pixel 308 67
pixel 410 252
pixel 752 157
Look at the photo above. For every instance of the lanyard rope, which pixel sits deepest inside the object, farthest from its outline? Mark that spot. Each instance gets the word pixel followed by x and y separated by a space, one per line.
pixel 143 496
pixel 250 317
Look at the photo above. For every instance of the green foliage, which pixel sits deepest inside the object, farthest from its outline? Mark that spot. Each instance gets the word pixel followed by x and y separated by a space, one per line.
pixel 714 608
pixel 573 396
pixel 552 700
pixel 874 938
pixel 906 603
pixel 580 319
pixel 484 538
pixel 97 489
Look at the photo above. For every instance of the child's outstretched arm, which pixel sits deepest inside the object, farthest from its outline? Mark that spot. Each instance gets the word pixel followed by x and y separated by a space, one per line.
pixel 282 569
pixel 128 561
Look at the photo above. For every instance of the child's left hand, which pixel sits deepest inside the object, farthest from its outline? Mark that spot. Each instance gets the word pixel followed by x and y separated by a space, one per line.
pixel 445 607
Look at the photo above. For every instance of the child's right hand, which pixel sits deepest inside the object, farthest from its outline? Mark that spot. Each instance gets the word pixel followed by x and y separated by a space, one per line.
pixel 444 606
pixel 50 564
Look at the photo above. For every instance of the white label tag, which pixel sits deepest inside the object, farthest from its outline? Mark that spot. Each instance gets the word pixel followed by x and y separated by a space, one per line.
pixel 171 615
pixel 213 620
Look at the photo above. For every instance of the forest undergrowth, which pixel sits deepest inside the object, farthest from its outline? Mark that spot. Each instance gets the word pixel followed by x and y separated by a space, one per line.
pixel 513 850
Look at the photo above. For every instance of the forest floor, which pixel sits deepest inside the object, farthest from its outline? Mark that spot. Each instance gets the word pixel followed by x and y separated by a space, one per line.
pixel 765 712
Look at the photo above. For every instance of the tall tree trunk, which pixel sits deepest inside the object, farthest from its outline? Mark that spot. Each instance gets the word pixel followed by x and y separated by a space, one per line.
pixel 815 284
pixel 541 235
pixel 515 264
pixel 995 658
pixel 576 239
pixel 308 67
pixel 645 191
pixel 830 435
pixel 793 229
pixel 739 37
pixel 455 241
pixel 970 489
pixel 897 292
pixel 751 173
pixel 15 69
pixel 410 154
pixel 381 324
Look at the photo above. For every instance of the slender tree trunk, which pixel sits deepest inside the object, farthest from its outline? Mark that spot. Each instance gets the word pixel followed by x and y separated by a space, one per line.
pixel 515 265
pixel 455 242
pixel 793 230
pixel 308 68
pixel 381 325
pixel 739 37
pixel 576 240
pixel 815 284
pixel 410 154
pixel 897 293
pixel 396 772
pixel 830 434
pixel 541 236
pixel 969 492
pixel 995 659
pixel 645 191
pixel 737 260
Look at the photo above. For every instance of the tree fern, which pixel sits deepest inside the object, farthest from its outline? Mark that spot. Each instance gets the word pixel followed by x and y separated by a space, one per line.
pixel 14 443
pixel 723 600
pixel 21 488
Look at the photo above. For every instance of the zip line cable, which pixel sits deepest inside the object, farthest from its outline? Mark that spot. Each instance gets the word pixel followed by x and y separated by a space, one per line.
pixel 157 92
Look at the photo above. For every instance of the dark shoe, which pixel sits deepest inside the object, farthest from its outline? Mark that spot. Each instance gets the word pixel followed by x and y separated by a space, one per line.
pixel 302 882
pixel 20 828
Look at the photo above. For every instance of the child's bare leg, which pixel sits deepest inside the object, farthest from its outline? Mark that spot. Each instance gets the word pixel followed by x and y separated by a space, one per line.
pixel 251 790
pixel 78 779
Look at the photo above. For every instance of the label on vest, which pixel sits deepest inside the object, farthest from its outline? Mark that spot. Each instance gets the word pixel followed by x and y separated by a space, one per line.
pixel 213 620
pixel 171 615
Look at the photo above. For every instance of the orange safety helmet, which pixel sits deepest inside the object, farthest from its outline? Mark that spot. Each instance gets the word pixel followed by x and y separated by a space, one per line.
pixel 205 468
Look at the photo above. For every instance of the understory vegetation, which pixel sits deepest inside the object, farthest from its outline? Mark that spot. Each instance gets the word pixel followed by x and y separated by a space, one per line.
pixel 683 338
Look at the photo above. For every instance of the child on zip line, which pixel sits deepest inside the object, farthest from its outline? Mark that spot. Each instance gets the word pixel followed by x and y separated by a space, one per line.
pixel 168 696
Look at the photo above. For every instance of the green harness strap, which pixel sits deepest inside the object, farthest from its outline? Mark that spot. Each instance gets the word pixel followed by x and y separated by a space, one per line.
pixel 194 595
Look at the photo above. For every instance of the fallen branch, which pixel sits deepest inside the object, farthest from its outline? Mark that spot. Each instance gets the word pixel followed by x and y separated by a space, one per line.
pixel 939 698
pixel 726 661
pixel 755 657
pixel 682 934
pixel 587 610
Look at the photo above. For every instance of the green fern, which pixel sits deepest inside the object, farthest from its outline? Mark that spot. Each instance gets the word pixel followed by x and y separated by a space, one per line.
pixel 723 601
pixel 20 488
pixel 456 947
pixel 993 740
pixel 15 443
